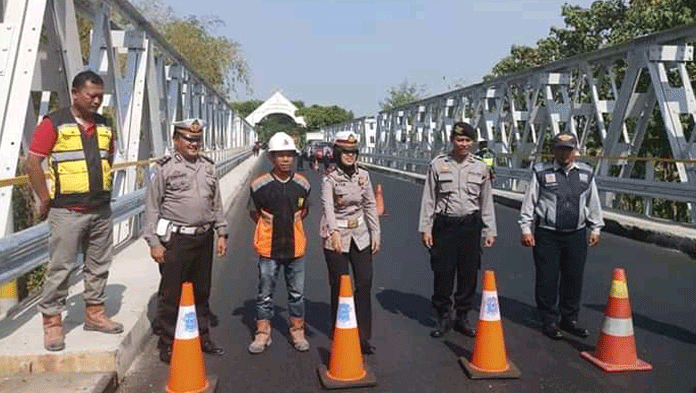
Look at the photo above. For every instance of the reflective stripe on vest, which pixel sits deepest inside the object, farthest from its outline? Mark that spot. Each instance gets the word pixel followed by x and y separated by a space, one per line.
pixel 68 163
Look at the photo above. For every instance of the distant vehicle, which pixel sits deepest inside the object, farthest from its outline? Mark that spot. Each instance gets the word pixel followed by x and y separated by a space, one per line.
pixel 317 149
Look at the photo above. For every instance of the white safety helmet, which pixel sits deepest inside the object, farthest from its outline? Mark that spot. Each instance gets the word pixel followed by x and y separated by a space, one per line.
pixel 281 141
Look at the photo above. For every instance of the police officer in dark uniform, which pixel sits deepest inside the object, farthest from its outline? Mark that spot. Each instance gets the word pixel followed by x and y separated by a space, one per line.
pixel 184 219
pixel 456 211
pixel 560 203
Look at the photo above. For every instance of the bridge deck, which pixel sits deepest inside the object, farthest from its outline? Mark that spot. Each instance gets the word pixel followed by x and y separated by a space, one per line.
pixel 660 285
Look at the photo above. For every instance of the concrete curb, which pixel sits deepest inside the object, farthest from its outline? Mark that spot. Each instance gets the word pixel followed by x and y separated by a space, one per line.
pixel 654 231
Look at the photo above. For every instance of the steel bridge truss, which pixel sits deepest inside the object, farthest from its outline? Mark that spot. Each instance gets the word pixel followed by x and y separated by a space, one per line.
pixel 607 98
pixel 148 85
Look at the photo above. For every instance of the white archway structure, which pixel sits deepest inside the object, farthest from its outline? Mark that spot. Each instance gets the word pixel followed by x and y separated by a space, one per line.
pixel 276 104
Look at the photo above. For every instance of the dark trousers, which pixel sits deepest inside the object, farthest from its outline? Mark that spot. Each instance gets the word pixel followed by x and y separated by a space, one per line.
pixel 559 255
pixel 361 263
pixel 456 252
pixel 188 258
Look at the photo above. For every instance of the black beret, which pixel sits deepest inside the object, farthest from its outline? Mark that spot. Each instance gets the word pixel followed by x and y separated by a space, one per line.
pixel 463 129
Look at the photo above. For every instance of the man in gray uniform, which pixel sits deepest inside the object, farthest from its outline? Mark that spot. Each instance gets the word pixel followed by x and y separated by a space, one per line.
pixel 456 210
pixel 560 202
pixel 183 211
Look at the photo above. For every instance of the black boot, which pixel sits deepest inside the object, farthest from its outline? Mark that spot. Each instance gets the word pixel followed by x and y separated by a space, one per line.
pixel 463 326
pixel 444 324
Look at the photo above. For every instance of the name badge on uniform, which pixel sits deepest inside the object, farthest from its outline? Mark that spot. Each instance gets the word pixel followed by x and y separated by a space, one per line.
pixel 550 178
pixel 584 177
pixel 300 202
pixel 445 168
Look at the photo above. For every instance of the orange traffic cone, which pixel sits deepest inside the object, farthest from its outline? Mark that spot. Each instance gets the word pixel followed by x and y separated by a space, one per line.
pixel 616 347
pixel 346 368
pixel 187 370
pixel 379 197
pixel 489 359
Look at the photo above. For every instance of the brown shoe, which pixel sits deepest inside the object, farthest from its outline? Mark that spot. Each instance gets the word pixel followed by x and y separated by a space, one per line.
pixel 96 319
pixel 262 338
pixel 297 334
pixel 54 338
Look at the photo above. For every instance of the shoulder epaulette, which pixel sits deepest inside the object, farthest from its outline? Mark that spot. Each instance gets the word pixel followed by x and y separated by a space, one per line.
pixel 301 180
pixel 210 160
pixel 163 160
pixel 585 166
pixel 261 181
pixel 438 157
pixel 540 166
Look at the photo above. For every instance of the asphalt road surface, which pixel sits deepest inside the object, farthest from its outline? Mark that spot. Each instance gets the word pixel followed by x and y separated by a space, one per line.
pixel 660 282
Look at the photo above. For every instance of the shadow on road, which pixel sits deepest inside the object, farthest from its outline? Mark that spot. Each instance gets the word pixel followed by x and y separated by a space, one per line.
pixel 410 305
pixel 317 317
pixel 654 326
pixel 75 307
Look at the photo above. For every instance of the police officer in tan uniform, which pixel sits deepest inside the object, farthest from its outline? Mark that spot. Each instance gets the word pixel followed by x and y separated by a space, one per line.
pixel 184 218
pixel 456 211
pixel 350 230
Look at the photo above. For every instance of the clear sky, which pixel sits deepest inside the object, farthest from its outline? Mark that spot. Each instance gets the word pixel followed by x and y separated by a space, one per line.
pixel 349 53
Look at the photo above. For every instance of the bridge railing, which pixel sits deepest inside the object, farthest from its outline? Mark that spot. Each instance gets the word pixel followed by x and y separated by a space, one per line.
pixel 516 179
pixel 148 86
pixel 23 251
pixel 609 98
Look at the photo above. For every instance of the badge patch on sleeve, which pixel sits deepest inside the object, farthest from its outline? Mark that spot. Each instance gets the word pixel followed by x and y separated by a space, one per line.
pixel 550 178
pixel 584 177
pixel 300 202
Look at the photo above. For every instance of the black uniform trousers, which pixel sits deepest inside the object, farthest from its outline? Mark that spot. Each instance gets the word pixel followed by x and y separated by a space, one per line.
pixel 361 263
pixel 559 255
pixel 188 258
pixel 456 252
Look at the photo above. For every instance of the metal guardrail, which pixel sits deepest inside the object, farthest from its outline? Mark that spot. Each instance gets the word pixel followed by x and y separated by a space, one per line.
pixel 23 251
pixel 673 191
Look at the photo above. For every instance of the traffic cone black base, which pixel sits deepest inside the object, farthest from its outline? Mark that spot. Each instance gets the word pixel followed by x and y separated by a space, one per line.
pixel 329 383
pixel 616 368
pixel 511 373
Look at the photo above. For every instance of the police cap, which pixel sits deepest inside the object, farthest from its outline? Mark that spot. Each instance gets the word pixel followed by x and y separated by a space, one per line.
pixel 190 128
pixel 463 129
pixel 564 139
pixel 346 141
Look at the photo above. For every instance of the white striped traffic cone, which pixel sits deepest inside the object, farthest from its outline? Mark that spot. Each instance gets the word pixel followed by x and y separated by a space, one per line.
pixel 616 347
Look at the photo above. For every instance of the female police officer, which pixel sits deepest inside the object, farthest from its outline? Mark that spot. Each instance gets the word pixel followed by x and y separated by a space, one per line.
pixel 350 229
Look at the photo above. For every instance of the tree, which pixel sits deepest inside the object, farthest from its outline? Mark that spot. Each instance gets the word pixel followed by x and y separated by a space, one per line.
pixel 277 122
pixel 606 23
pixel 244 108
pixel 219 60
pixel 317 116
pixel 402 94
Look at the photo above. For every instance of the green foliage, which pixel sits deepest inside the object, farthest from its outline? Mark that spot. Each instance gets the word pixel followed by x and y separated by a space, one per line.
pixel 218 59
pixel 276 123
pixel 604 23
pixel 244 108
pixel 317 116
pixel 402 94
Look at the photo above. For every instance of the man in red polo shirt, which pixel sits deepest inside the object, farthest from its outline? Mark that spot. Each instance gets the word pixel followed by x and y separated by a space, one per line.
pixel 79 144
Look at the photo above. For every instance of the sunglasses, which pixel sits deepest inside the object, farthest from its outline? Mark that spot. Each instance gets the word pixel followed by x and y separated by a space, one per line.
pixel 189 138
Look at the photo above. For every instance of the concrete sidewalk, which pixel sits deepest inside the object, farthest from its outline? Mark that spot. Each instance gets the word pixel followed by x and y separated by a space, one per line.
pixel 92 361
pixel 649 230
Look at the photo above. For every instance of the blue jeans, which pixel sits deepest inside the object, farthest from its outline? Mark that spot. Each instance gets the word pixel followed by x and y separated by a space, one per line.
pixel 294 270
